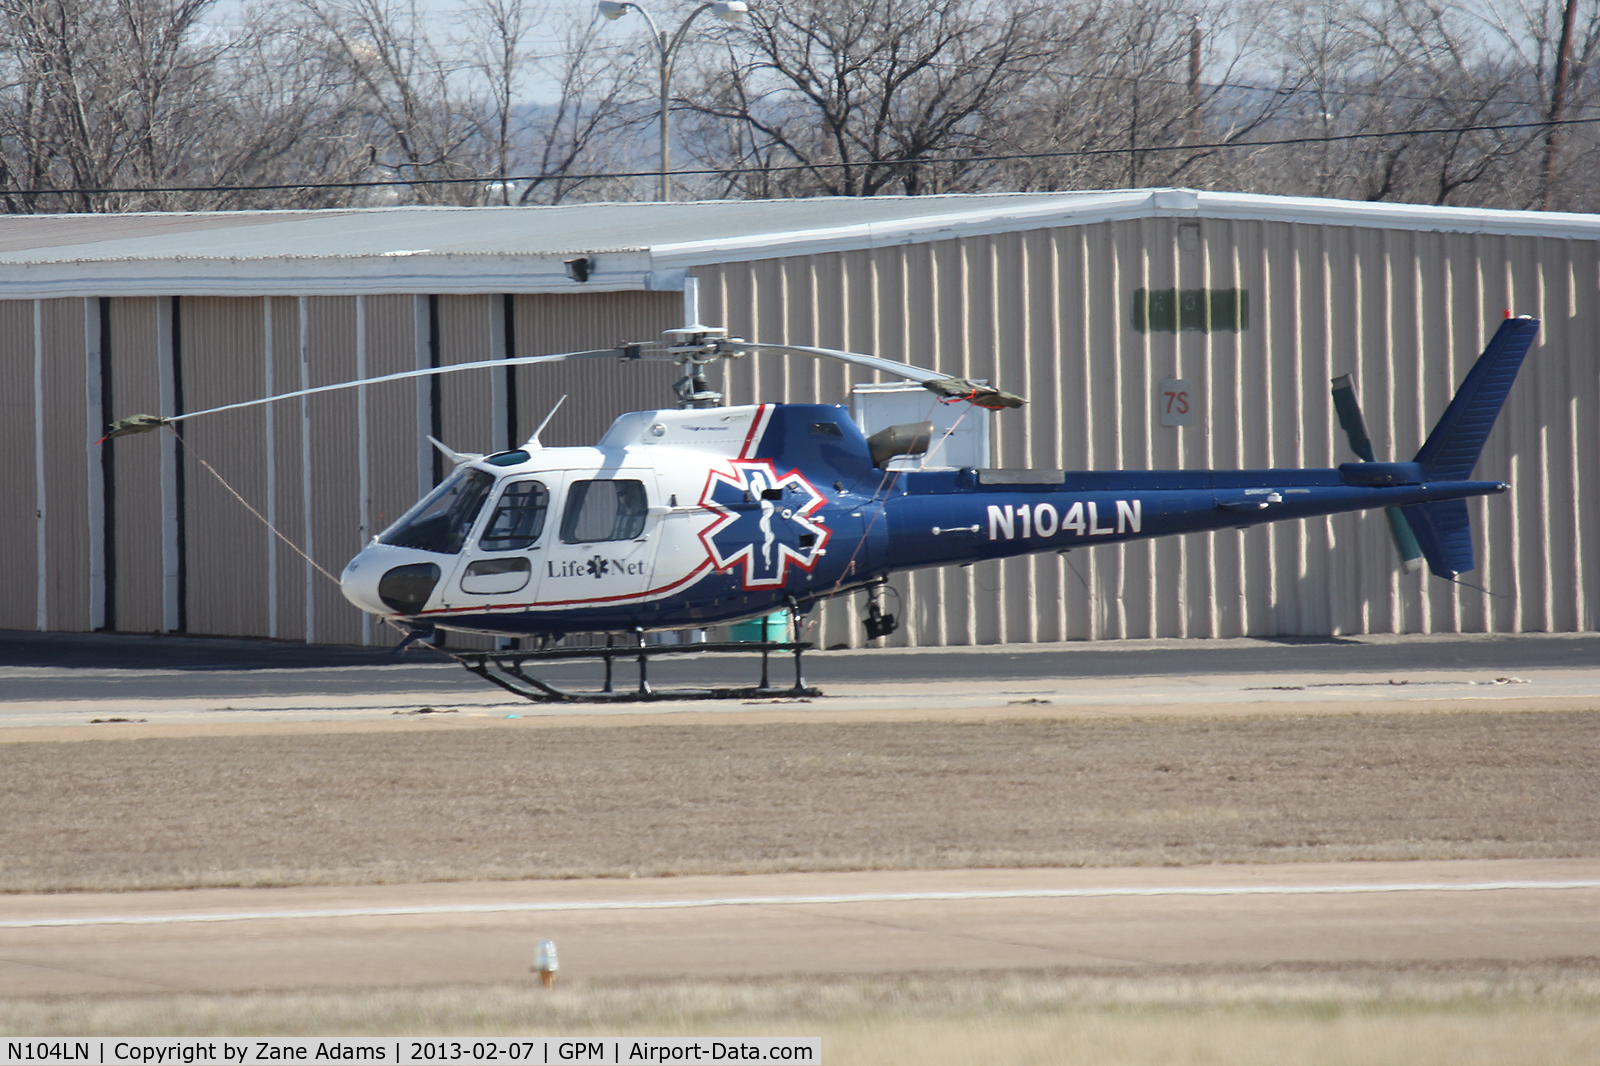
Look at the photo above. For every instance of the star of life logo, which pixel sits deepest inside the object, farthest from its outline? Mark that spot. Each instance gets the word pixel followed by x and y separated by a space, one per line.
pixel 764 522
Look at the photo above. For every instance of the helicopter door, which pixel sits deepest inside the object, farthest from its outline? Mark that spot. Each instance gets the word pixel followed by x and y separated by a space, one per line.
pixel 504 563
pixel 603 551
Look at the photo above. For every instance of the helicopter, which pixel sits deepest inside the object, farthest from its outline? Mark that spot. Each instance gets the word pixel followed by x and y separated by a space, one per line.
pixel 705 514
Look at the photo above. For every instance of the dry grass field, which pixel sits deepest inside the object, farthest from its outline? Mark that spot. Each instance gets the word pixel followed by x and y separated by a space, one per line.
pixel 661 800
pixel 1484 1015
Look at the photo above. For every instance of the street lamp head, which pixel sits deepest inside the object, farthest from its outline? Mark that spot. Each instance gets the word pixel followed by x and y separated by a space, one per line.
pixel 613 9
pixel 729 10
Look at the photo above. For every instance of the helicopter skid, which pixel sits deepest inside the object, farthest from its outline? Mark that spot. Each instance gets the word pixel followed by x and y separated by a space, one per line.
pixel 507 669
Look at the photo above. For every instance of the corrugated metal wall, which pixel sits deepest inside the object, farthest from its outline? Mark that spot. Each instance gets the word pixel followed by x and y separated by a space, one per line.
pixel 328 472
pixel 223 357
pixel 468 398
pixel 139 581
pixel 392 410
pixel 66 435
pixel 19 565
pixel 283 444
pixel 334 465
pixel 1049 313
pixel 597 391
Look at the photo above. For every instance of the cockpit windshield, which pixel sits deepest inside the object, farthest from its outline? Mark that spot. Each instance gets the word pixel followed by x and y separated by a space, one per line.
pixel 441 522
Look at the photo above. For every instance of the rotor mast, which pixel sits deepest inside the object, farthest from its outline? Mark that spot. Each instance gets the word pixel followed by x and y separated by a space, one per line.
pixel 692 347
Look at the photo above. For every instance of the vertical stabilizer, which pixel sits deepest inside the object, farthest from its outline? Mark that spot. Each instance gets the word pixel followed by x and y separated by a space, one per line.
pixel 1445 536
pixel 1452 449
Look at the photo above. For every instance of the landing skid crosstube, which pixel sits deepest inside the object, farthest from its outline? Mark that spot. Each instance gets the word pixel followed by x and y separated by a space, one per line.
pixel 507 669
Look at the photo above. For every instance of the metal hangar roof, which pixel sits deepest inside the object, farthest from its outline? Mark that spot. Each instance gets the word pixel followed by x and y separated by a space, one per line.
pixel 630 246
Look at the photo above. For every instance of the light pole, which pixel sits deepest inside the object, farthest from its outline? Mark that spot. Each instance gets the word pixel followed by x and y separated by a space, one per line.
pixel 727 10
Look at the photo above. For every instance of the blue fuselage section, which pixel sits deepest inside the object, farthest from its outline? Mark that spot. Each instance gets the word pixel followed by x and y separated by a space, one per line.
pixel 952 517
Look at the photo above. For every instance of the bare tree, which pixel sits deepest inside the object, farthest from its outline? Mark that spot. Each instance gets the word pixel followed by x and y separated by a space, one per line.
pixel 549 145
pixel 288 112
pixel 100 93
pixel 416 127
pixel 298 105
pixel 1127 102
pixel 884 97
pixel 867 97
pixel 1375 75
pixel 1556 46
pixel 140 95
pixel 498 30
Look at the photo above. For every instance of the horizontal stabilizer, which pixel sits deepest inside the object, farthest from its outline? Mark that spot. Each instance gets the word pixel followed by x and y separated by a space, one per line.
pixel 1452 449
pixel 1444 535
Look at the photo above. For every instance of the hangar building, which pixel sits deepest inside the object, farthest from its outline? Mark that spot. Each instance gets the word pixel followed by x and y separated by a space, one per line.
pixel 1090 304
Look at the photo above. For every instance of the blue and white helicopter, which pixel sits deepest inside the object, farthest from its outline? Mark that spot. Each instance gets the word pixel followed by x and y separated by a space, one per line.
pixel 704 514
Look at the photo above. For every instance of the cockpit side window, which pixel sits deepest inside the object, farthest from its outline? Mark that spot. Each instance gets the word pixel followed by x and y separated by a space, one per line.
pixel 603 510
pixel 441 522
pixel 518 518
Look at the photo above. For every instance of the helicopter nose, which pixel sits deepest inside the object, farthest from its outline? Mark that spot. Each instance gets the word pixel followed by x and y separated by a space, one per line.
pixel 359 583
pixel 383 581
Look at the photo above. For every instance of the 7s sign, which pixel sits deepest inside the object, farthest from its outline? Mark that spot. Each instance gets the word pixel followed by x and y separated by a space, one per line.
pixel 1174 401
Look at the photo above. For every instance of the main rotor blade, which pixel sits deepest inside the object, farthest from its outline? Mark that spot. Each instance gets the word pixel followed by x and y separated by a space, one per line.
pixel 144 423
pixel 943 384
pixel 1355 427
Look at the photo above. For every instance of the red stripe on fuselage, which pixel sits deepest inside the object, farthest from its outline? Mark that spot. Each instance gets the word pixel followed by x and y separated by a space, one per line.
pixel 757 424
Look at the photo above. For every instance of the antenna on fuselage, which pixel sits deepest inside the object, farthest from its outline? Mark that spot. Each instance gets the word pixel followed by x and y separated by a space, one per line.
pixel 533 441
pixel 451 454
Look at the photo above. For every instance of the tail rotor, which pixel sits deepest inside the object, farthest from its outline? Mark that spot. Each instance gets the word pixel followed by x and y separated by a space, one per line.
pixel 1355 428
pixel 1440 531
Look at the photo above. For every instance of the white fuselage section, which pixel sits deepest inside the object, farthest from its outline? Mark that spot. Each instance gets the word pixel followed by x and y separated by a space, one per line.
pixel 573 529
